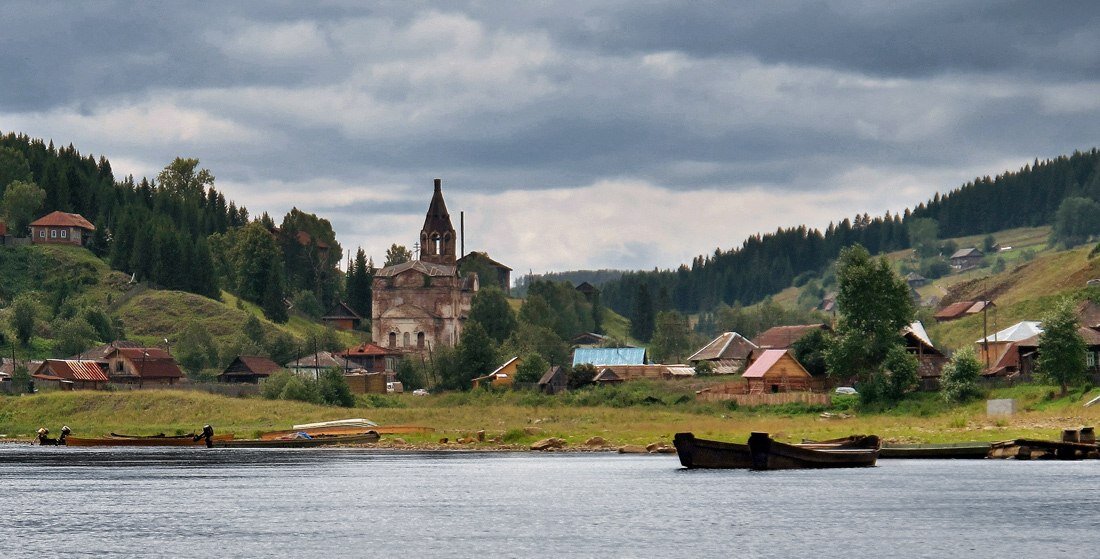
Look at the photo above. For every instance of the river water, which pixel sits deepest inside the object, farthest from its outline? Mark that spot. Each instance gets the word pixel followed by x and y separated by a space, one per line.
pixel 353 503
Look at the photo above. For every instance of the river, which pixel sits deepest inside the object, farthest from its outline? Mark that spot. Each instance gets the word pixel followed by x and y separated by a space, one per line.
pixel 334 503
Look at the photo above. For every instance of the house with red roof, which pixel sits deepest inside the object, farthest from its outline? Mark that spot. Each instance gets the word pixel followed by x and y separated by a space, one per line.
pixel 71 374
pixel 61 228
pixel 142 366
pixel 372 358
pixel 776 370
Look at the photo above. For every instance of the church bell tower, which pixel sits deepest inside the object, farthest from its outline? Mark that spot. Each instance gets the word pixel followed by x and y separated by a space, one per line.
pixel 437 237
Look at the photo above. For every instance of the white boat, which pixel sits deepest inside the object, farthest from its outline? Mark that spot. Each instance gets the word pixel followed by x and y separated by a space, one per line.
pixel 359 422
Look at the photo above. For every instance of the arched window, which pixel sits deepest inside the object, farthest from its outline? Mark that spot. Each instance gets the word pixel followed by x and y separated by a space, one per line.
pixel 420 340
pixel 436 244
pixel 393 339
pixel 405 340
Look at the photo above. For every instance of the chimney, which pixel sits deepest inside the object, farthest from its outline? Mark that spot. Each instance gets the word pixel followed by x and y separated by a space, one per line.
pixel 438 184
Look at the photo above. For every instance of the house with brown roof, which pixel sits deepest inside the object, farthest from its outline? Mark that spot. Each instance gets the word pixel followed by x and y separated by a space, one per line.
pixel 966 258
pixel 142 366
pixel 782 337
pixel 71 374
pixel 249 368
pixel 962 309
pixel 311 366
pixel 372 357
pixel 554 380
pixel 727 353
pixel 930 361
pixel 342 317
pixel 1028 352
pixel 776 370
pixel 61 228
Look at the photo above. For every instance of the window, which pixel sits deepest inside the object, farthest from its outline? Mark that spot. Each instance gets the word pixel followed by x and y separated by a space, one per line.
pixel 420 340
pixel 393 339
pixel 53 233
pixel 64 233
pixel 42 233
pixel 405 340
pixel 118 366
pixel 1090 359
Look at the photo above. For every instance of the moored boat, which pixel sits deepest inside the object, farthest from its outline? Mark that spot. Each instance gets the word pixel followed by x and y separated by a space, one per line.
pixel 852 441
pixel 957 451
pixel 342 430
pixel 205 438
pixel 769 454
pixel 300 442
pixel 703 453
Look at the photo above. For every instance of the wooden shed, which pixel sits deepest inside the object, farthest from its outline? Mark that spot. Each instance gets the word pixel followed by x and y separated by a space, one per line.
pixel 776 370
pixel 248 368
pixel 554 380
pixel 342 317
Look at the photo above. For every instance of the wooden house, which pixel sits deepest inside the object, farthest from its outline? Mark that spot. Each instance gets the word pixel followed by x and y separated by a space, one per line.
pixel 372 358
pixel 607 356
pixel 727 353
pixel 930 361
pixel 993 349
pixel 1028 352
pixel 588 290
pixel 61 228
pixel 962 309
pixel 249 368
pixel 504 375
pixel 142 366
pixel 71 374
pixel 554 380
pixel 311 366
pixel 616 373
pixel 342 317
pixel 915 280
pixel 966 258
pixel 588 339
pixel 776 370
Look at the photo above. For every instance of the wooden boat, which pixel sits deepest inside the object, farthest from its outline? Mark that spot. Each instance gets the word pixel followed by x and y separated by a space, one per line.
pixel 768 454
pixel 852 441
pixel 1034 449
pixel 188 440
pixel 322 440
pixel 958 451
pixel 703 453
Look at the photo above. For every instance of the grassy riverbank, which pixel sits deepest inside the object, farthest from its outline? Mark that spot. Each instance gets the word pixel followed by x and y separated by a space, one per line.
pixel 638 414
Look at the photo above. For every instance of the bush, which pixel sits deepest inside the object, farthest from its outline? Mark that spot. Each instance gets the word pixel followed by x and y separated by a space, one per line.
pixel 704 368
pixel 301 390
pixel 334 389
pixel 959 383
pixel 531 369
pixel 581 375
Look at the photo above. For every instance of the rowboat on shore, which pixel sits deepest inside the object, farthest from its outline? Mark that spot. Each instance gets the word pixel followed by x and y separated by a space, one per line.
pixel 206 438
pixel 300 442
pixel 345 431
pixel 763 453
pixel 957 451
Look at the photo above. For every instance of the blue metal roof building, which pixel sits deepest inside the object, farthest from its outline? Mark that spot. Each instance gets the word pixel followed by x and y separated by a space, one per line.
pixel 601 356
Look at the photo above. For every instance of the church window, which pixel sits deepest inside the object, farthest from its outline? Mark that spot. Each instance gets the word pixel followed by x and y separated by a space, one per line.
pixel 420 340
pixel 405 340
pixel 393 339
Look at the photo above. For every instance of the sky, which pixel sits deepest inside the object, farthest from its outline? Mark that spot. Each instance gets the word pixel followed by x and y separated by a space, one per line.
pixel 574 135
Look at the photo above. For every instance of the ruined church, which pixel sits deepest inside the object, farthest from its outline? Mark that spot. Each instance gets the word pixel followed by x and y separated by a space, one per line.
pixel 421 304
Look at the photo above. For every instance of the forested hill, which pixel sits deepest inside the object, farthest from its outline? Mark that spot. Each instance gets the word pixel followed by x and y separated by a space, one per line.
pixel 174 231
pixel 766 264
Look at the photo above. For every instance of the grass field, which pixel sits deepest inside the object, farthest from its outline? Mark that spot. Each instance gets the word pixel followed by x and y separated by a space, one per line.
pixel 638 413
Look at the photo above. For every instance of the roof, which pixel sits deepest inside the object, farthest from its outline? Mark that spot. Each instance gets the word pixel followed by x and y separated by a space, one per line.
pixel 1090 335
pixel 62 219
pixel 766 361
pixel 483 256
pixel 606 375
pixel 252 364
pixel 609 356
pixel 87 371
pixel 728 345
pixel 585 287
pixel 1015 333
pixel 913 276
pixel 549 375
pixel 954 310
pixel 101 352
pixel 979 306
pixel 150 362
pixel 965 252
pixel 321 359
pixel 437 219
pixel 427 268
pixel 916 328
pixel 1088 313
pixel 341 310
pixel 367 349
pixel 7 366
pixel 781 337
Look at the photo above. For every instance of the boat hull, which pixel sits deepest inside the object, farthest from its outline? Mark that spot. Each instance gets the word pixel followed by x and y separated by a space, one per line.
pixel 703 453
pixel 143 441
pixel 956 451
pixel 362 438
pixel 768 454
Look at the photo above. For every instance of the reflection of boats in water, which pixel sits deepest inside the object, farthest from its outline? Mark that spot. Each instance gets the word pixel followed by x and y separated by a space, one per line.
pixel 300 442
pixel 763 453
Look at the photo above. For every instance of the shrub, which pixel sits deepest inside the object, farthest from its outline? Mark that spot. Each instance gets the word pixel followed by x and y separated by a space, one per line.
pixel 960 377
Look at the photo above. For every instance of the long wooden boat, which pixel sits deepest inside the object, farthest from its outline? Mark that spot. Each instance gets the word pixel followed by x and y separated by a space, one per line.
pixel 703 453
pixel 852 441
pixel 145 441
pixel 1034 449
pixel 312 442
pixel 957 451
pixel 769 454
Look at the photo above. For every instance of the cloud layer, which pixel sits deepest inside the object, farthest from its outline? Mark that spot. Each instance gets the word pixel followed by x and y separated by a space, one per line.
pixel 573 135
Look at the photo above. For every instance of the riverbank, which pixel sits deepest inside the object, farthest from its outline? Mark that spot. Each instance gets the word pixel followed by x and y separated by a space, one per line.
pixel 513 421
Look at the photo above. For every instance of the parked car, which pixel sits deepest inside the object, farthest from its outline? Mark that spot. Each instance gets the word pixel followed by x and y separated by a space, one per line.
pixel 846 390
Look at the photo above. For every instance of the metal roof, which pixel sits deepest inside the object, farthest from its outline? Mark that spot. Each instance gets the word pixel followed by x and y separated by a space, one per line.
pixel 1015 333
pixel 600 356
pixel 728 345
pixel 62 219
pixel 427 268
pixel 74 370
pixel 766 361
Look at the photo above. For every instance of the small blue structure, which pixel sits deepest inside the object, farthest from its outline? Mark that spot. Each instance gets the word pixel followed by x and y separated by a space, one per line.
pixel 607 356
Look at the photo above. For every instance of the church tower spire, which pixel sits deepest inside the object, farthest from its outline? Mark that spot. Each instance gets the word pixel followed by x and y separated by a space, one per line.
pixel 437 237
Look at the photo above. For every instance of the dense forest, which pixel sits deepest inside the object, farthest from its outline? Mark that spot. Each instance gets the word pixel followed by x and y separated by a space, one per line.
pixel 766 264
pixel 177 231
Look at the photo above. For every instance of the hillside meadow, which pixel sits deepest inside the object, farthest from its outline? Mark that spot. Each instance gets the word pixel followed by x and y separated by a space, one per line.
pixel 640 413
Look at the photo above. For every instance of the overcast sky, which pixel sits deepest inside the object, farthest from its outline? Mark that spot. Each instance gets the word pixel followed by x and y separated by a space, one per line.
pixel 573 134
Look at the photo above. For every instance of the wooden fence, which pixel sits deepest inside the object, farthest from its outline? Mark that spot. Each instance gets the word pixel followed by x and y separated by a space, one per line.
pixel 810 398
